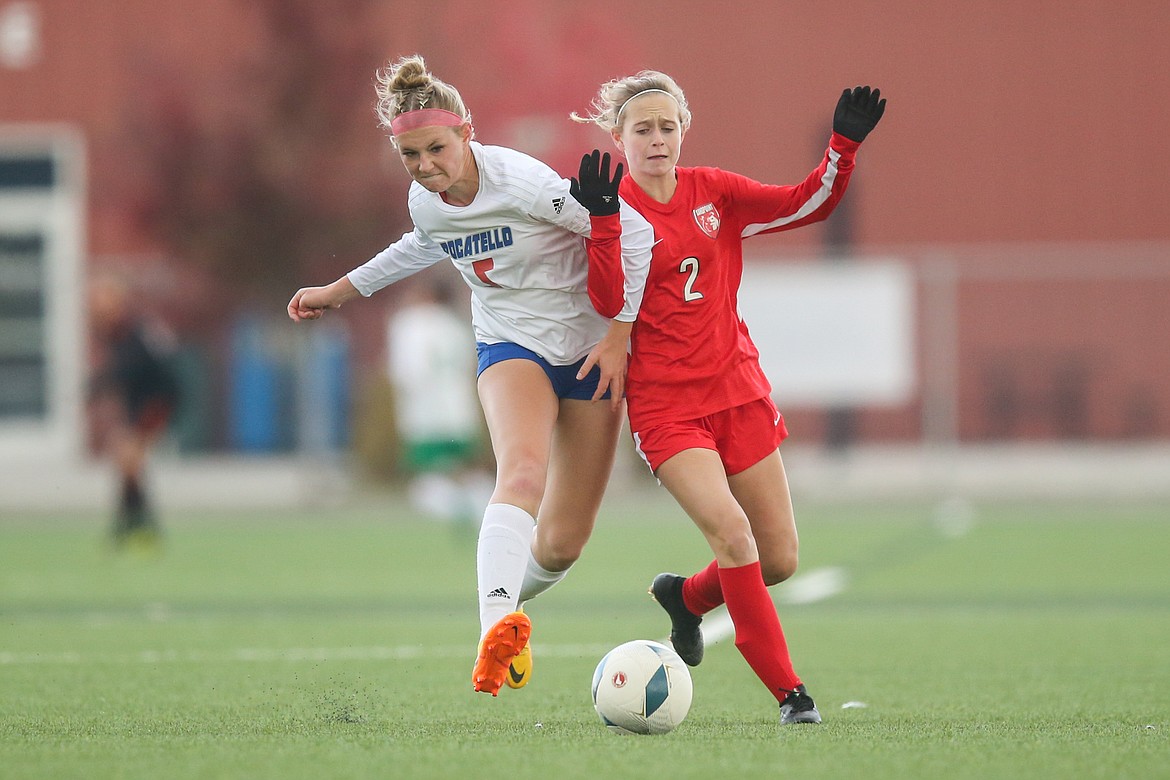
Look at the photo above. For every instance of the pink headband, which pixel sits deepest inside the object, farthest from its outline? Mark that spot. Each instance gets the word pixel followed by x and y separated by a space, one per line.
pixel 424 117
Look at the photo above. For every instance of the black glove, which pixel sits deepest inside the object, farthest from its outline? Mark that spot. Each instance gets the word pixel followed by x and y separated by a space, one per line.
pixel 858 111
pixel 595 190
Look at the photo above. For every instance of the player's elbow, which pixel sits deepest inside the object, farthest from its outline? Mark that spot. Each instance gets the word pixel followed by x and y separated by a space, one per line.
pixel 607 306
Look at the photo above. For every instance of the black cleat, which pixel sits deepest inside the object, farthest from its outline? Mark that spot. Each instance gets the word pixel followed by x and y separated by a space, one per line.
pixel 798 707
pixel 684 624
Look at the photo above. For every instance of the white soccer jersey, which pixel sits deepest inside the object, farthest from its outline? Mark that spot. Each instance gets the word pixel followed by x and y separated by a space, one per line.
pixel 433 374
pixel 520 248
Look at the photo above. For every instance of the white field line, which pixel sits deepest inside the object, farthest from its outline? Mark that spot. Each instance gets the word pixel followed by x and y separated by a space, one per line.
pixel 289 655
pixel 816 585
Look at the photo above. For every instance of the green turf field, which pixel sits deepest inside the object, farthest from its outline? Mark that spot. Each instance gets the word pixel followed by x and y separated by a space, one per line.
pixel 989 641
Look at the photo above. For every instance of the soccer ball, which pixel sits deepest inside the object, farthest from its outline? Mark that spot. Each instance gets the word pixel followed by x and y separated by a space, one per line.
pixel 642 687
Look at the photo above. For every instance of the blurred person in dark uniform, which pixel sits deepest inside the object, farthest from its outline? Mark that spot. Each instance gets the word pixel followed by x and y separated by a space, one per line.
pixel 133 393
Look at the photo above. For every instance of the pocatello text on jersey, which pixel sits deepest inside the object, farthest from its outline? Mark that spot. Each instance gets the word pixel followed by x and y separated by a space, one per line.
pixel 485 241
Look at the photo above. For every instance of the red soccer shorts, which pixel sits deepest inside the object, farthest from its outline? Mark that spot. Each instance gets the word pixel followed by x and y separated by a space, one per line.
pixel 743 436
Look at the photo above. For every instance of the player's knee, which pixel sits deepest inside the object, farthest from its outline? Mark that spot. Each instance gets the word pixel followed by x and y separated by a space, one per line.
pixel 778 568
pixel 559 557
pixel 521 484
pixel 734 543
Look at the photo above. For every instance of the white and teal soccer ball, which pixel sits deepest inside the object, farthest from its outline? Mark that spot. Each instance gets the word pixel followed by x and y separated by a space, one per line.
pixel 642 687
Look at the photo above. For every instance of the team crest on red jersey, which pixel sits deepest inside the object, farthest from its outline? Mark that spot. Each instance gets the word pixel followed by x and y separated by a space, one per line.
pixel 707 218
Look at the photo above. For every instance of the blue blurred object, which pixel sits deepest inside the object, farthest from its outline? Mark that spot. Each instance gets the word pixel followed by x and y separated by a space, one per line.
pixel 288 389
pixel 254 419
pixel 323 389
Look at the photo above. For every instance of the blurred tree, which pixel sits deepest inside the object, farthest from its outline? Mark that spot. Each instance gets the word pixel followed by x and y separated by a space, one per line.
pixel 261 173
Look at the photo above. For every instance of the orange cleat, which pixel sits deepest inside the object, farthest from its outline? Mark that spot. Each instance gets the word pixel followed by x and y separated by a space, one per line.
pixel 502 643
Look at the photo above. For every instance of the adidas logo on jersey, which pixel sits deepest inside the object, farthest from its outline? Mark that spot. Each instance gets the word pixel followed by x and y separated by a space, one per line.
pixel 558 204
pixel 498 593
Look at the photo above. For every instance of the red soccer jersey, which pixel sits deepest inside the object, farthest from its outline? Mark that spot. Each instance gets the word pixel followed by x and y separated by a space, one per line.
pixel 691 354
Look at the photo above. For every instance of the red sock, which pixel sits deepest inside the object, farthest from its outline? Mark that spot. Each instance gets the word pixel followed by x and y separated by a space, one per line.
pixel 758 635
pixel 702 591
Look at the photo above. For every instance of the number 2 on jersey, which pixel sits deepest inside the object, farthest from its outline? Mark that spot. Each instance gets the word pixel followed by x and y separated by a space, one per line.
pixel 481 267
pixel 690 265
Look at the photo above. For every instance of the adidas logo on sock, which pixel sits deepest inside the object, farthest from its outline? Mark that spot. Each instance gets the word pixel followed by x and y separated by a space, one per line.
pixel 498 593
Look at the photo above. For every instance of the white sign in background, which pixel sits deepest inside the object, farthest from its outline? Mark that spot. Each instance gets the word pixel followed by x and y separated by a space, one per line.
pixel 833 333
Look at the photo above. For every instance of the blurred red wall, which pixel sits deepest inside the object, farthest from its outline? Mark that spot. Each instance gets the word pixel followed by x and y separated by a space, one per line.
pixel 1008 123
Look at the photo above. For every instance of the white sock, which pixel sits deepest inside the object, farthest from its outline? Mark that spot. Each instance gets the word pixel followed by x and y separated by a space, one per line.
pixel 538 579
pixel 505 545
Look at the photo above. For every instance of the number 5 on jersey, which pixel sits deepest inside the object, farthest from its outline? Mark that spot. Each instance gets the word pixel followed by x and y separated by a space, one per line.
pixel 690 265
pixel 481 267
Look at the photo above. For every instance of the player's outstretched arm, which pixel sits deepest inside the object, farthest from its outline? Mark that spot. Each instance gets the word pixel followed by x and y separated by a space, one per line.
pixel 309 303
pixel 858 112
